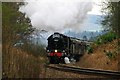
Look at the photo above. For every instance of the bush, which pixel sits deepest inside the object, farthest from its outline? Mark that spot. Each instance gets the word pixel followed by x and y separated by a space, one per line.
pixel 31 48
pixel 89 49
pixel 110 54
pixel 108 37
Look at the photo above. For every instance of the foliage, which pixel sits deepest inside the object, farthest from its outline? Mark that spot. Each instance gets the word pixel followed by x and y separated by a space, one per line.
pixel 16 29
pixel 15 26
pixel 108 37
pixel 112 18
pixel 85 38
pixel 34 49
pixel 89 49
pixel 110 54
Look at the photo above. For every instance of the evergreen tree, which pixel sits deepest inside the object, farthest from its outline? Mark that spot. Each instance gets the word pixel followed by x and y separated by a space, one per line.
pixel 112 19
pixel 14 24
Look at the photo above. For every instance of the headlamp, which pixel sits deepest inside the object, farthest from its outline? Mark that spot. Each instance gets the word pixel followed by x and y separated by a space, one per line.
pixel 55 50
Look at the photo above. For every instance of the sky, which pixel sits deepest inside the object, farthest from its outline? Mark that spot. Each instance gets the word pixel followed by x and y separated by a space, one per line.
pixel 62 15
pixel 96 8
pixel 92 22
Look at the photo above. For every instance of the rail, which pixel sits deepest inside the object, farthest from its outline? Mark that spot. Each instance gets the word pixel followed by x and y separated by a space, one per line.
pixel 106 73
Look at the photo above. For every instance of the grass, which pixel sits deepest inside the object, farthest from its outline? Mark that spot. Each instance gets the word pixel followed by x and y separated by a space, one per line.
pixel 19 64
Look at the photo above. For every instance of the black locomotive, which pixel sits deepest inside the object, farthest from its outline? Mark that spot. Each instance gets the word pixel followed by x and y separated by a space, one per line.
pixel 61 46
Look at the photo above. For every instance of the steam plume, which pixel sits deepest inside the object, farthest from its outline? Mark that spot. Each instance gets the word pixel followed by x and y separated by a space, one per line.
pixel 56 15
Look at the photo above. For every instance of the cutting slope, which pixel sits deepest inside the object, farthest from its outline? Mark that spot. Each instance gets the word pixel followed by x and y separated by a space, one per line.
pixel 99 58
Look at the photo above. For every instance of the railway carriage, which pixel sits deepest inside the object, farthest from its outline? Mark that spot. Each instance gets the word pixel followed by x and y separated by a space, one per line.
pixel 61 46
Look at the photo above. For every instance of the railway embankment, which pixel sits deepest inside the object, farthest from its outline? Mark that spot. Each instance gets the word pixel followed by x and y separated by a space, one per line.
pixel 104 56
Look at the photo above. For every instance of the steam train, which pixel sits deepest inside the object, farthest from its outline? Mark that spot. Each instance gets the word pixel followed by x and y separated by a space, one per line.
pixel 61 48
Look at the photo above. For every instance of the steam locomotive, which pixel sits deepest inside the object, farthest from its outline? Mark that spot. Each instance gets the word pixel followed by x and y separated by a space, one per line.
pixel 61 47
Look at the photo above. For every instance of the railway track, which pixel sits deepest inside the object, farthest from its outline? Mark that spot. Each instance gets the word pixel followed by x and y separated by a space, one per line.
pixel 108 74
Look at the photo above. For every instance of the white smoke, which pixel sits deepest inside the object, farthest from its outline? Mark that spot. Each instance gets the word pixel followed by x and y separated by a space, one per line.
pixel 56 15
